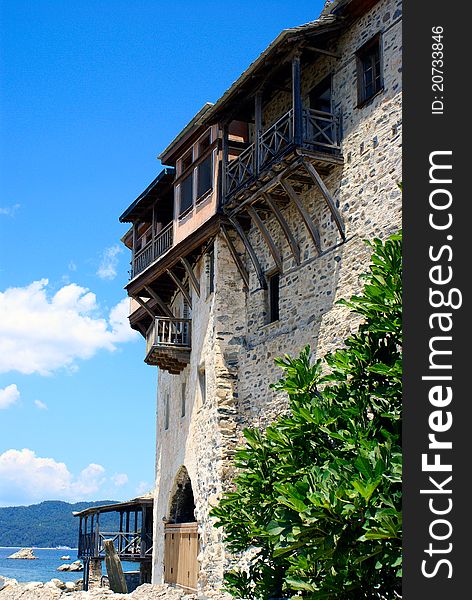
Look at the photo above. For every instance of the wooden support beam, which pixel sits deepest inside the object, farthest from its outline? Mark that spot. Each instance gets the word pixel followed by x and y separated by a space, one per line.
pixel 259 223
pixel 297 100
pixel 266 187
pixel 312 229
pixel 327 196
pixel 181 286
pixel 322 51
pixel 191 276
pixel 144 305
pixel 285 227
pixel 258 126
pixel 162 305
pixel 251 252
pixel 239 264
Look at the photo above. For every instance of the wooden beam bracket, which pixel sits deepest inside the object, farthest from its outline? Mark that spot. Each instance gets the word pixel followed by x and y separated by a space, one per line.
pixel 251 252
pixel 312 229
pixel 326 195
pixel 148 309
pixel 191 275
pixel 181 286
pixel 285 227
pixel 162 305
pixel 237 259
pixel 259 223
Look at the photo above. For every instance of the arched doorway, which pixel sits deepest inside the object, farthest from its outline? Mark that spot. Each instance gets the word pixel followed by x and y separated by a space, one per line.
pixel 181 535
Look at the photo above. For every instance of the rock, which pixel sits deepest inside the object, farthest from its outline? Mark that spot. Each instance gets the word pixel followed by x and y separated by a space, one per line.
pixel 7 582
pixel 69 586
pixel 58 583
pixel 65 557
pixel 75 566
pixel 24 554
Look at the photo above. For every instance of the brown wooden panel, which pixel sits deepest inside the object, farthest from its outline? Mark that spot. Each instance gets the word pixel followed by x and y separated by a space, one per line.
pixel 180 555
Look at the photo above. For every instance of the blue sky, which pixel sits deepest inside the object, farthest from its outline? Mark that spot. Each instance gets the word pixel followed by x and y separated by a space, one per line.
pixel 91 92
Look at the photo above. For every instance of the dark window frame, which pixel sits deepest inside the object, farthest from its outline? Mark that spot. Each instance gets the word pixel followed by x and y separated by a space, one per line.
pixel 203 193
pixel 211 270
pixel 273 296
pixel 369 58
pixel 188 206
pixel 183 400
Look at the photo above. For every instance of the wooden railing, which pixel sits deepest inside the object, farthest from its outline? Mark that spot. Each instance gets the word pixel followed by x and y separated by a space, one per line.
pixel 320 132
pixel 129 545
pixel 165 331
pixel 153 249
pixel 276 139
pixel 86 545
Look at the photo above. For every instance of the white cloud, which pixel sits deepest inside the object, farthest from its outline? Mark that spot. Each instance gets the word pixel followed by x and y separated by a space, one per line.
pixel 9 211
pixel 27 478
pixel 40 333
pixel 40 405
pixel 109 262
pixel 143 487
pixel 9 396
pixel 120 479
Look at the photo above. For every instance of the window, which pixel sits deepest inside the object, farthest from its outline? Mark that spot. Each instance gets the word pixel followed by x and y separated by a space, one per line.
pixel 204 176
pixel 369 70
pixel 186 162
pixel 274 297
pixel 202 384
pixel 184 390
pixel 211 271
pixel 166 412
pixel 186 194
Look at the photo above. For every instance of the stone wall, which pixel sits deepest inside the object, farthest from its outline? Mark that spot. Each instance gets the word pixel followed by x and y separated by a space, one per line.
pixel 231 338
pixel 202 440
pixel 366 192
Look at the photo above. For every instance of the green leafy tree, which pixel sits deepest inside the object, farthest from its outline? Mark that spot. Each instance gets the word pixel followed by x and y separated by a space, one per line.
pixel 317 497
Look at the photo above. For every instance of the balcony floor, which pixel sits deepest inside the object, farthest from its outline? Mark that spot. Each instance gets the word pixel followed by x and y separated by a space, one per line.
pixel 168 358
pixel 324 163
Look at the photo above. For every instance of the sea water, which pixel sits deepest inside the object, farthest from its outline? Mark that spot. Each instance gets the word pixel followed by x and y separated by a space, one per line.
pixel 45 567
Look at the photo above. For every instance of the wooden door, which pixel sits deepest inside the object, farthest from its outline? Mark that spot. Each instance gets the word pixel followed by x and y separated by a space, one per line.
pixel 180 555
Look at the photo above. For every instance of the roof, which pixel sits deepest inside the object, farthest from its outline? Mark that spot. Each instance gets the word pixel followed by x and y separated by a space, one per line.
pixel 144 200
pixel 327 22
pixel 145 499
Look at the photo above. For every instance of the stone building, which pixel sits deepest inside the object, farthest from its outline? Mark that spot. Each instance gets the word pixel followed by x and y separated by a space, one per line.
pixel 244 242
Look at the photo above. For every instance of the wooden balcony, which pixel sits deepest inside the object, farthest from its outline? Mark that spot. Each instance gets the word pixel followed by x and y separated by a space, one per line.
pixel 320 135
pixel 168 344
pixel 133 545
pixel 152 250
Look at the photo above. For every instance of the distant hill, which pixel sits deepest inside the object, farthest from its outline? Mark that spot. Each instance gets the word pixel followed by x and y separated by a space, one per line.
pixel 47 525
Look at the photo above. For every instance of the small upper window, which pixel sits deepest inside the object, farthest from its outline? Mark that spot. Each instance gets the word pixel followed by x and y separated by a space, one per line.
pixel 211 270
pixel 186 162
pixel 274 297
pixel 186 194
pixel 369 70
pixel 204 176
pixel 166 412
pixel 204 144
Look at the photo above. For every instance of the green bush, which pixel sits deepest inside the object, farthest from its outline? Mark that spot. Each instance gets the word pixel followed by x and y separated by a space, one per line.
pixel 318 493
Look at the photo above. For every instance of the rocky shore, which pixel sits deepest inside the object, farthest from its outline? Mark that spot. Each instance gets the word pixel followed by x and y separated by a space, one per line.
pixel 10 589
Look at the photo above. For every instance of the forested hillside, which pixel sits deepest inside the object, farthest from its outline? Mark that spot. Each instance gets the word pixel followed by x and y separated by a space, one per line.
pixel 47 525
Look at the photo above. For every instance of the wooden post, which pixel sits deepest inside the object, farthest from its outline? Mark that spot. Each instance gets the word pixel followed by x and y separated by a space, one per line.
pixel 258 126
pixel 225 157
pixel 297 100
pixel 115 573
pixel 133 252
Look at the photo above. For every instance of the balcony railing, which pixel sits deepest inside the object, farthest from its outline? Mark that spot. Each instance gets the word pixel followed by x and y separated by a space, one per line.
pixel 130 545
pixel 168 343
pixel 320 132
pixel 153 249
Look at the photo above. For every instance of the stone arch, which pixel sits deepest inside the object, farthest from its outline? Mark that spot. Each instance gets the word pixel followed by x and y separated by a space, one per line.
pixel 181 502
